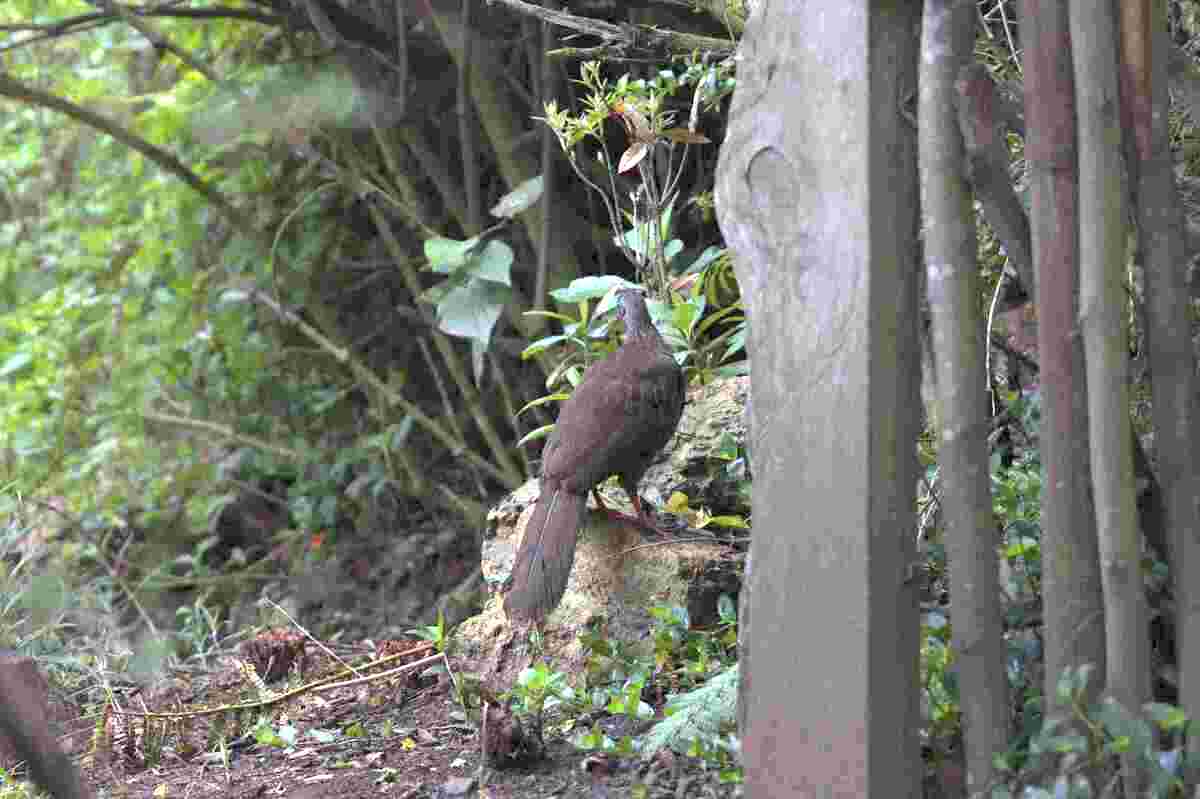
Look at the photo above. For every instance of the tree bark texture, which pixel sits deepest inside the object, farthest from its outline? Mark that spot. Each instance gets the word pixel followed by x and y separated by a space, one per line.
pixel 984 130
pixel 1102 235
pixel 959 345
pixel 818 201
pixel 1145 51
pixel 1071 585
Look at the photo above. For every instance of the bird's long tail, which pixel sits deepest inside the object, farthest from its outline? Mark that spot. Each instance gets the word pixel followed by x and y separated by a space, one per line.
pixel 547 550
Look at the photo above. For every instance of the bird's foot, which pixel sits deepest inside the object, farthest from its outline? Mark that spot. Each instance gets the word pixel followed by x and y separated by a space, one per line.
pixel 644 522
pixel 642 518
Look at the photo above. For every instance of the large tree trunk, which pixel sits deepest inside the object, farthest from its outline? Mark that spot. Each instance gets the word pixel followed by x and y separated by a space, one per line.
pixel 1072 594
pixel 818 200
pixel 948 38
pixel 1145 52
pixel 1102 226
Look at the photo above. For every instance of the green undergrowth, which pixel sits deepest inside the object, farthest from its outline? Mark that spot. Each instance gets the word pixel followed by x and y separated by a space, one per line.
pixel 680 694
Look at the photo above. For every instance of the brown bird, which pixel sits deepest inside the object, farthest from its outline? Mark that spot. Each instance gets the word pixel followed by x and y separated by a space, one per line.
pixel 620 416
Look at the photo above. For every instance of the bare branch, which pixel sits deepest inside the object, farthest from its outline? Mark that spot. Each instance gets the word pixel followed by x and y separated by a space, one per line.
pixel 623 38
pixel 70 26
pixel 159 40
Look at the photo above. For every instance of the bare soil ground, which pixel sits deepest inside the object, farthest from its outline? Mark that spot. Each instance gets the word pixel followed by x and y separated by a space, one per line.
pixel 402 735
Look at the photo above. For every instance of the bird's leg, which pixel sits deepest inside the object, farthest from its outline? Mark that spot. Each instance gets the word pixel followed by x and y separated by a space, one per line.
pixel 644 519
pixel 641 508
pixel 640 520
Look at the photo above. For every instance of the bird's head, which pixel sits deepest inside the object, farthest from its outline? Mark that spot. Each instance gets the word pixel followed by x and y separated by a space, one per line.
pixel 632 310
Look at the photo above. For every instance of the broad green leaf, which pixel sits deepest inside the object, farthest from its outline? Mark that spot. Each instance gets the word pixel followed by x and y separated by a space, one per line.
pixel 472 311
pixel 684 315
pixel 494 263
pixel 447 255
pixel 589 288
pixel 519 199
pixel 460 258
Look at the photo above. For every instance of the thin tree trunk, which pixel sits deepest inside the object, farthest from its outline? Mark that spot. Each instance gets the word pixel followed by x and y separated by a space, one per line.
pixel 958 341
pixel 1102 225
pixel 984 130
pixel 1145 52
pixel 1071 589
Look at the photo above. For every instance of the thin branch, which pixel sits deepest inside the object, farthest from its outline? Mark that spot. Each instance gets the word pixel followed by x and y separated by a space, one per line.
pixel 447 405
pixel 66 25
pixel 456 448
pixel 623 38
pixel 401 61
pixel 547 154
pixel 983 129
pixel 82 23
pixel 224 432
pixel 159 40
pixel 465 134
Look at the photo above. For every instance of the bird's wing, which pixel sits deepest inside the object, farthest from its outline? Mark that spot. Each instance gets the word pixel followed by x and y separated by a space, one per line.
pixel 615 420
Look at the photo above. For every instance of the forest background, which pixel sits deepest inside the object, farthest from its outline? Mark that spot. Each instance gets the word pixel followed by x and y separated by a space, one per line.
pixel 257 294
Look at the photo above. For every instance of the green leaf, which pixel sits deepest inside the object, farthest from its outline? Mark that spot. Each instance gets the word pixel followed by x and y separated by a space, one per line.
pixel 16 363
pixel 1168 717
pixel 471 311
pixel 705 258
pixel 589 288
pixel 541 345
pixel 543 401
pixel 1021 547
pixel 720 316
pixel 734 370
pixel 447 255
pixel 534 435
pixel 450 257
pixel 685 314
pixel 1065 744
pixel 519 199
pixel 1129 732
pixel 549 315
pixel 737 343
pixel 495 263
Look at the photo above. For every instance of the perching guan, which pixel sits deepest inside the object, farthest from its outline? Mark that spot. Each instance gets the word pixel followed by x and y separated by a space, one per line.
pixel 618 418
